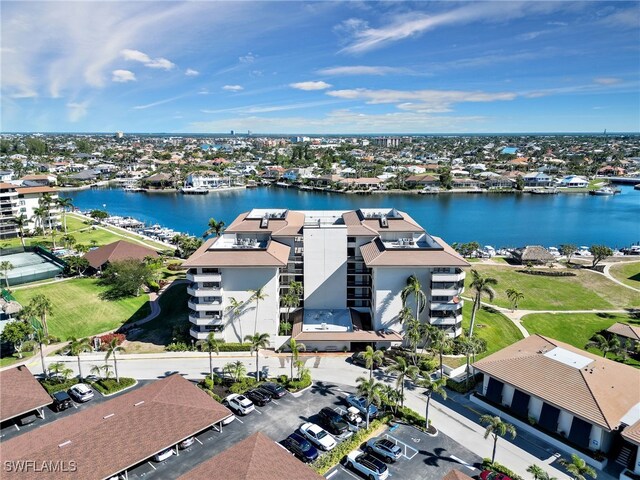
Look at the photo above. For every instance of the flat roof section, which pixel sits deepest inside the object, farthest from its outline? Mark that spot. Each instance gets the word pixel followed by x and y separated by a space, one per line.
pixel 20 393
pixel 113 436
pixel 327 321
pixel 571 359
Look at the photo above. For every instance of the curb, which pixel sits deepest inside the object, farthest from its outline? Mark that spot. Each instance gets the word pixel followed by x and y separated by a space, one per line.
pixel 119 391
pixel 300 392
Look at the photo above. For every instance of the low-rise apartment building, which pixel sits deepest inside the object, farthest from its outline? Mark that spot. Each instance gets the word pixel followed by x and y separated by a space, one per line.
pixel 30 199
pixel 350 268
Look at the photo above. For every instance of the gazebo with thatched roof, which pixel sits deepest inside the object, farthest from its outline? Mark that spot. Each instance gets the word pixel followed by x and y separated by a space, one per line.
pixel 535 255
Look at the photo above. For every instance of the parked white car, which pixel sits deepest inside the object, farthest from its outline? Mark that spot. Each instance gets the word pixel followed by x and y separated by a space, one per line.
pixel 162 456
pixel 319 436
pixel 372 467
pixel 81 392
pixel 239 404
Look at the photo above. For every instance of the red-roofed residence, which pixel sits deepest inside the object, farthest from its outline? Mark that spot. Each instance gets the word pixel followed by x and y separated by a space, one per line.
pixel 118 251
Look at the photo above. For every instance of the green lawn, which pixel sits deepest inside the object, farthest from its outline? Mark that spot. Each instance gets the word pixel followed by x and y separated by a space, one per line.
pixel 586 291
pixel 11 359
pixel 627 272
pixel 573 328
pixel 79 311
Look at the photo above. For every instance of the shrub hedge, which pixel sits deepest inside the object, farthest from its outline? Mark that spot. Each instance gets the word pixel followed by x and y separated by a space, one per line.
pixel 461 387
pixel 411 417
pixel 546 273
pixel 243 385
pixel 53 386
pixel 234 347
pixel 107 386
pixel 496 467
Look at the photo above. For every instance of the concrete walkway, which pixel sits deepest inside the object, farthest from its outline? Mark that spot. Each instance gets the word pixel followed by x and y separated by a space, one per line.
pixel 607 274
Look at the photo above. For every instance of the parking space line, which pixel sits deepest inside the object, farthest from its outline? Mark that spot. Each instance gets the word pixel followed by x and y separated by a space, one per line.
pixel 197 440
pixel 239 420
pixel 332 473
pixel 462 462
pixel 17 427
pixel 407 448
pixel 349 473
pixel 258 411
pixel 274 401
pixel 151 464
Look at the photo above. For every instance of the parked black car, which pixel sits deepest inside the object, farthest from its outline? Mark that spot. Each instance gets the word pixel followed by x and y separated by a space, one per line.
pixel 300 447
pixel 258 396
pixel 358 359
pixel 61 401
pixel 333 421
pixel 275 390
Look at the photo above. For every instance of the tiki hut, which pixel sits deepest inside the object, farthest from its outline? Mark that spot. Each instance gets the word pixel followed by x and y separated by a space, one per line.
pixel 534 255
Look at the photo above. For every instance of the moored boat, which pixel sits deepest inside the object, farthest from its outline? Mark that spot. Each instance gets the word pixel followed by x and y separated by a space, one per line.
pixel 194 190
pixel 604 191
pixel 637 186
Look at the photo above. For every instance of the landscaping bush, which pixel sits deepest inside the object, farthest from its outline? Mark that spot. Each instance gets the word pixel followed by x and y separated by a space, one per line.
pixel 411 417
pixel 548 273
pixel 428 365
pixel 461 387
pixel 217 398
pixel 496 467
pixel 243 385
pixel 53 386
pixel 106 339
pixel 295 385
pixel 234 347
pixel 175 266
pixel 109 385
pixel 178 347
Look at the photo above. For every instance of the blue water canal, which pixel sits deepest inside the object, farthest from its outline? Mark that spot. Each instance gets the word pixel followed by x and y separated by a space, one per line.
pixel 500 220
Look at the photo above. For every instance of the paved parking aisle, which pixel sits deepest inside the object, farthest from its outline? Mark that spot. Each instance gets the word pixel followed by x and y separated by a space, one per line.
pixel 423 457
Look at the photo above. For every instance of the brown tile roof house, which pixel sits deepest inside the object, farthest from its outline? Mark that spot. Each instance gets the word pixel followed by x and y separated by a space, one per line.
pixel 456 475
pixel 255 458
pixel 632 433
pixel 20 393
pixel 598 392
pixel 110 437
pixel 625 330
pixel 117 251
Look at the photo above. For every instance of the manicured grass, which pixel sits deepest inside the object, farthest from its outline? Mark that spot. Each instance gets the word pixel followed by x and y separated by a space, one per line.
pixel 79 311
pixel 627 272
pixel 11 359
pixel 573 328
pixel 586 291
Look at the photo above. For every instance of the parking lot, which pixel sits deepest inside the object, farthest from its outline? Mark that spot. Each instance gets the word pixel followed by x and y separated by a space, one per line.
pixel 10 429
pixel 423 457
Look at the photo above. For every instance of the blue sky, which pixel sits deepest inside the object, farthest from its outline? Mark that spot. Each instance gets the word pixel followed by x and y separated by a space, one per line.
pixel 322 67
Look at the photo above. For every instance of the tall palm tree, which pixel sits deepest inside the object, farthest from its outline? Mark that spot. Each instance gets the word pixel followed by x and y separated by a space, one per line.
pixel 39 214
pixel 234 308
pixel 468 346
pixel 441 341
pixel 5 266
pixel 289 301
pixel 21 222
pixel 480 286
pixel 515 297
pixel 68 240
pixel 431 387
pixel 371 357
pixel 215 228
pixel 295 348
pixel 76 347
pixel 38 336
pixel 578 468
pixel 235 370
pixel 403 372
pixel 112 349
pixel 414 289
pixel 45 202
pixel 611 344
pixel 64 203
pixel 370 390
pixel 389 396
pixel 210 345
pixel 256 296
pixel 497 428
pixel 413 334
pixel 42 306
pixel 536 471
pixel 257 341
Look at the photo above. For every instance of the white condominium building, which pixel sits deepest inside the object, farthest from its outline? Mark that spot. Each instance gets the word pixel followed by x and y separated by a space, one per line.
pixel 350 267
pixel 8 210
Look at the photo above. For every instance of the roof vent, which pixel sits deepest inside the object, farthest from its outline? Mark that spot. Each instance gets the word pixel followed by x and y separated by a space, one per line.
pixel 108 416
pixel 384 223
pixel 264 223
pixel 64 444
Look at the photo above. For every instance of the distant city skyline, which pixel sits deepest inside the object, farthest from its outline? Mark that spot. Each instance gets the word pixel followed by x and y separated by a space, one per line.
pixel 320 67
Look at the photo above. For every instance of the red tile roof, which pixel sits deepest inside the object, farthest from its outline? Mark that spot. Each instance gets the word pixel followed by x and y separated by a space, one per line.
pixel 20 393
pixel 117 251
pixel 112 436
pixel 255 458
pixel 275 255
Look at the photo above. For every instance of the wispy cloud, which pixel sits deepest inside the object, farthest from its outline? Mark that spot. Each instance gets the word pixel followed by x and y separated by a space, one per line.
pixel 252 109
pixel 233 88
pixel 313 85
pixel 426 101
pixel 146 60
pixel 77 110
pixel 190 72
pixel 159 102
pixel 248 58
pixel 123 76
pixel 607 80
pixel 362 70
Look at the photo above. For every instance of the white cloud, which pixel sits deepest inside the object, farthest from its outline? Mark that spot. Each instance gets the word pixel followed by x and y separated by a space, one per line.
pixel 159 102
pixel 425 101
pixel 123 76
pixel 361 70
pixel 248 58
pixel 233 88
pixel 203 91
pixel 606 80
pixel 251 109
pixel 146 60
pixel 77 110
pixel 190 72
pixel 319 85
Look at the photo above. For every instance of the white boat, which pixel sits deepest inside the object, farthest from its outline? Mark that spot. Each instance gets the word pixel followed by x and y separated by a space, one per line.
pixel 282 184
pixel 189 190
pixel 133 188
pixel 554 251
pixel 604 191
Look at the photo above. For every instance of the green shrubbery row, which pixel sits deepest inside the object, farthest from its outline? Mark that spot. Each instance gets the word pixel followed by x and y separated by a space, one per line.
pixel 222 347
pixel 546 273
pixel 461 387
pixel 411 417
pixel 107 386
pixel 496 467
pixel 53 386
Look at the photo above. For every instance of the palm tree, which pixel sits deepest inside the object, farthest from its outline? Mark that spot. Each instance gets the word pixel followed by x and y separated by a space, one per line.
pixel 515 297
pixel 413 335
pixel 112 349
pixel 497 428
pixel 235 369
pixel 257 341
pixel 64 203
pixel 389 396
pixel 289 301
pixel 38 217
pixel 611 344
pixel 234 308
pixel 431 387
pixel 256 296
pixel 210 345
pixel 296 348
pixel 578 468
pixel 76 347
pixel 468 346
pixel 214 227
pixel 370 390
pixel 536 471
pixel 403 372
pixel 441 341
pixel 61 369
pixel 414 289
pixel 371 357
pixel 480 285
pixel 38 336
pixel 42 306
pixel 96 370
pixel 81 248
pixel 68 240
pixel 21 222
pixel 5 266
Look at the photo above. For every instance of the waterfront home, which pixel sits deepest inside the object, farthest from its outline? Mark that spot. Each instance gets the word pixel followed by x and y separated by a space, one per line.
pixel 351 267
pixel 573 399
pixel 538 179
pixel 422 180
pixel 499 181
pixel 116 252
pixel 45 180
pixel 465 183
pixel 574 181
pixel 362 183
pixel 158 180
pixel 205 179
pixel 534 255
pixel 611 171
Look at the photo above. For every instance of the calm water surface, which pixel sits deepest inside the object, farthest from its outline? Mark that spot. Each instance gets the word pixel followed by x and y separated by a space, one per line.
pixel 491 219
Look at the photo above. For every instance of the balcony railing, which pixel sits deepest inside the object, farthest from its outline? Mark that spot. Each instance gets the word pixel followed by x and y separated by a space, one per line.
pixel 200 291
pixel 203 277
pixel 448 277
pixel 212 320
pixel 205 307
pixel 450 307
